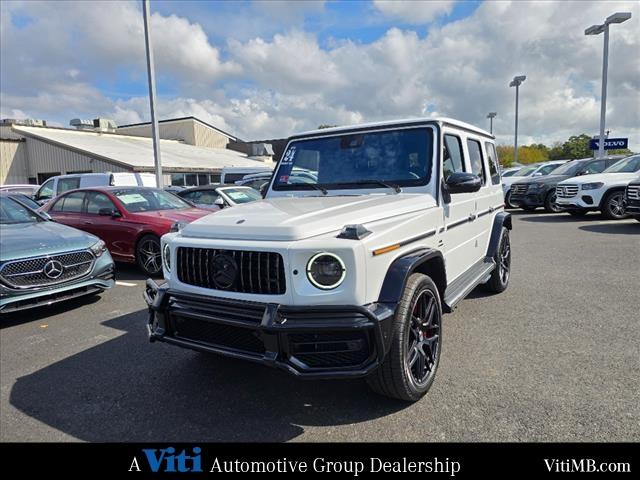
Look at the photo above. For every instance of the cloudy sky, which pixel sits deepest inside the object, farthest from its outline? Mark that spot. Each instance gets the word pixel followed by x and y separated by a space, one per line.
pixel 267 69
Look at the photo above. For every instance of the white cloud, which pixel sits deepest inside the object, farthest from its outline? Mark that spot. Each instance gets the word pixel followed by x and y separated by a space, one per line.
pixel 414 11
pixel 273 85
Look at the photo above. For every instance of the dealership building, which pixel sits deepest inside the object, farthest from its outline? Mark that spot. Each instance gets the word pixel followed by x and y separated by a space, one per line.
pixel 193 152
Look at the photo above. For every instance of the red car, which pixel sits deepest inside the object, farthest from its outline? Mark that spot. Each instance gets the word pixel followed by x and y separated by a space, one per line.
pixel 130 220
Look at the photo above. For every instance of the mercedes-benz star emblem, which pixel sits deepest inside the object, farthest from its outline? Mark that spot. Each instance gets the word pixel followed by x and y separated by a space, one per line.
pixel 225 270
pixel 53 269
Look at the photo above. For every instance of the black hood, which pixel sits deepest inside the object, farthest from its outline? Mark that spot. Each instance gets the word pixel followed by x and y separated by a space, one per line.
pixel 545 180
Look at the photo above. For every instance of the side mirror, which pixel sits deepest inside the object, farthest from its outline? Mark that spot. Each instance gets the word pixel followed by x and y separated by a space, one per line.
pixel 537 174
pixel 219 202
pixel 46 216
pixel 582 172
pixel 462 182
pixel 109 212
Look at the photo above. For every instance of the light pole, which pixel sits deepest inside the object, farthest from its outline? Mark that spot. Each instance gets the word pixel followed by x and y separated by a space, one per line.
pixel 618 17
pixel 491 116
pixel 516 82
pixel 152 92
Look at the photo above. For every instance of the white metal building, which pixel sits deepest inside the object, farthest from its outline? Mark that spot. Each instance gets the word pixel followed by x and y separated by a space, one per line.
pixel 31 154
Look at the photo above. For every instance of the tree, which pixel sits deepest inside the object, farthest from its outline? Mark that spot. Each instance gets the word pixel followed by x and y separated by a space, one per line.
pixel 577 147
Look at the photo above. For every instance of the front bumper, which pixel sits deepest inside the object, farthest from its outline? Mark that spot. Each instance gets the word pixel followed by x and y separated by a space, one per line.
pixel 101 278
pixel 633 206
pixel 323 341
pixel 527 200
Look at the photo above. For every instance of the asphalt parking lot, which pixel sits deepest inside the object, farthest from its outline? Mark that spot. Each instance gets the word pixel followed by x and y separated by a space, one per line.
pixel 554 358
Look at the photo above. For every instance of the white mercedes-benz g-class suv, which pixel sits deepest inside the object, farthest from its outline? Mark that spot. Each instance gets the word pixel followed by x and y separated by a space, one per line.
pixel 347 273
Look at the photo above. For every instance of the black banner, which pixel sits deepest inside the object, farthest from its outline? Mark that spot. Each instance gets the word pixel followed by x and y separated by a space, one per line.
pixel 354 460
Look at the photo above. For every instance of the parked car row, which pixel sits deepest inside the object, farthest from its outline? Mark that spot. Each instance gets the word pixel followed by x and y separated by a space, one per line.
pixel 43 262
pixel 579 187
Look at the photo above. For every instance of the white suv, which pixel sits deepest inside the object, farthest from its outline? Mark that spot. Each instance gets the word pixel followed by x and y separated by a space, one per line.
pixel 603 191
pixel 347 276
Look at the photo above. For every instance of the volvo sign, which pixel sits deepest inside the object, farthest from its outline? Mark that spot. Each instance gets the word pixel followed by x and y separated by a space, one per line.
pixel 609 143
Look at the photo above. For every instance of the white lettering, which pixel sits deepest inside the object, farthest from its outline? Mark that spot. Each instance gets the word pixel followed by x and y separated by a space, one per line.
pixel 134 464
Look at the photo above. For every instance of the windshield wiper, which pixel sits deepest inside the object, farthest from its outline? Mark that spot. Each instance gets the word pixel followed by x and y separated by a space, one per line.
pixel 396 188
pixel 316 187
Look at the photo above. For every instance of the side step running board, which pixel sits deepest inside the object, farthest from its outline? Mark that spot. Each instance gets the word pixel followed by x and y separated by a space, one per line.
pixel 465 283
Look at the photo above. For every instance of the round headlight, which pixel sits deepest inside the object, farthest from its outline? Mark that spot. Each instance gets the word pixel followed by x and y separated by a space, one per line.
pixel 326 270
pixel 166 257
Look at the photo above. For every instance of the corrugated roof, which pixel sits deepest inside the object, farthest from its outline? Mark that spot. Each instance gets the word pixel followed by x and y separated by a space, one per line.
pixel 180 119
pixel 137 152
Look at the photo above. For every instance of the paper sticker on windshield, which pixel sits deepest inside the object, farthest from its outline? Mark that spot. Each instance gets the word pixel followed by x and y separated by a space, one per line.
pixel 238 196
pixel 132 198
pixel 284 178
pixel 288 156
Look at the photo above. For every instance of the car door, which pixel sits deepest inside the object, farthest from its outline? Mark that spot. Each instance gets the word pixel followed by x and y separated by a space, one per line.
pixel 67 183
pixel 98 222
pixel 67 209
pixel 484 198
pixel 46 192
pixel 459 236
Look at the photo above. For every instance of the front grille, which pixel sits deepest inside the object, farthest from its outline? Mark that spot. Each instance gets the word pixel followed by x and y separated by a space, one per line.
pixel 331 349
pixel 217 334
pixel 566 191
pixel 633 192
pixel 232 270
pixel 30 273
pixel 519 189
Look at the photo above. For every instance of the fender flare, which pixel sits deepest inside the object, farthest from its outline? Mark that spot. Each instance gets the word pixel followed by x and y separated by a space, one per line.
pixel 502 219
pixel 400 270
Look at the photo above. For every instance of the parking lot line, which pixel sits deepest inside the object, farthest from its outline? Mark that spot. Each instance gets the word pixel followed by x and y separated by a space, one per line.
pixel 126 284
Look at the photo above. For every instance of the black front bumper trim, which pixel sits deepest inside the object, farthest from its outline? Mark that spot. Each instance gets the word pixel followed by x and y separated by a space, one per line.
pixel 319 341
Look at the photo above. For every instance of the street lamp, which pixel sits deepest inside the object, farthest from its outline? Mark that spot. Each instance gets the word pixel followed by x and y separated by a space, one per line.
pixel 516 82
pixel 618 17
pixel 491 116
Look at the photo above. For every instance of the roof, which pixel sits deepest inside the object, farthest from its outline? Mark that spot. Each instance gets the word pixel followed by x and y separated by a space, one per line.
pixel 137 152
pixel 170 120
pixel 391 123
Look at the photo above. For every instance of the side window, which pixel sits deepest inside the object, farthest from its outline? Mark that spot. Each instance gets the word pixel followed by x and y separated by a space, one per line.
pixel 492 158
pixel 71 203
pixel 546 169
pixel 97 201
pixel 452 160
pixel 596 167
pixel 192 196
pixel 65 184
pixel 46 190
pixel 475 159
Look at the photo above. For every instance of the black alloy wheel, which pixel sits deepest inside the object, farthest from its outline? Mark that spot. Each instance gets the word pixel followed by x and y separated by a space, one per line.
pixel 410 366
pixel 148 255
pixel 423 341
pixel 499 280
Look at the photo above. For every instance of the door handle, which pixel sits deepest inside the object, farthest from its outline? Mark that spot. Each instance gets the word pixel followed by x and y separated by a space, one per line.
pixel 86 222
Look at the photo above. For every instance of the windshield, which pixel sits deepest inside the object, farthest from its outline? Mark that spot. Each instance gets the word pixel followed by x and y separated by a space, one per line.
pixel 510 173
pixel 400 157
pixel 525 171
pixel 12 212
pixel 147 199
pixel 628 165
pixel 570 168
pixel 241 195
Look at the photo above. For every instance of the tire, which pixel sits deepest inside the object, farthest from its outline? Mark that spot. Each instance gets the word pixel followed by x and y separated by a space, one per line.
pixel 410 367
pixel 500 276
pixel 550 204
pixel 148 255
pixel 578 213
pixel 614 205
pixel 507 200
